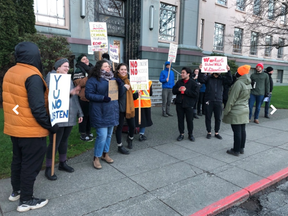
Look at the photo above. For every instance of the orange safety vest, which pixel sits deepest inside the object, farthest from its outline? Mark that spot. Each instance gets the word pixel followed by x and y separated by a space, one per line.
pixel 145 98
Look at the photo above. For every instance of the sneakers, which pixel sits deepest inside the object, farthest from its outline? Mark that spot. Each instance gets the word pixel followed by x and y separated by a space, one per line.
pixel 208 136
pixel 169 114
pixel 86 138
pixel 96 163
pixel 91 136
pixel 64 167
pixel 218 136
pixel 232 152
pixel 142 137
pixel 33 203
pixel 122 150
pixel 180 137
pixel 15 195
pixel 191 138
pixel 105 157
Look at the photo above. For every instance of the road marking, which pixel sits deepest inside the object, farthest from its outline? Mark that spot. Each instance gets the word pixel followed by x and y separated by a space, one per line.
pixel 273 109
pixel 14 109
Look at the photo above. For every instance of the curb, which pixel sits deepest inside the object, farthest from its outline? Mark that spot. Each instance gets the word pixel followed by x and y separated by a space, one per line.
pixel 242 195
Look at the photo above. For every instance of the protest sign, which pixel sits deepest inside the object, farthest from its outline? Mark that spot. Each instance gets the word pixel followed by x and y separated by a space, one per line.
pixel 113 52
pixel 113 90
pixel 98 35
pixel 138 70
pixel 214 64
pixel 59 95
pixel 172 52
pixel 90 50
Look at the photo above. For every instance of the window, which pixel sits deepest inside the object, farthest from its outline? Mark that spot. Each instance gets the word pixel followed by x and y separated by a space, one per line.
pixel 279 76
pixel 202 33
pixel 268 48
pixel 240 5
pixel 53 13
pixel 256 7
pixel 222 2
pixel 283 14
pixel 219 37
pixel 280 49
pixel 237 42
pixel 167 22
pixel 253 43
pixel 271 9
pixel 111 7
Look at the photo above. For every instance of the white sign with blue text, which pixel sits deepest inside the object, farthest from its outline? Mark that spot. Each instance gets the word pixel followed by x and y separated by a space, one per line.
pixel 59 95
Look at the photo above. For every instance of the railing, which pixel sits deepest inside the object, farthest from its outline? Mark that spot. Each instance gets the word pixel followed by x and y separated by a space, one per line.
pixel 177 72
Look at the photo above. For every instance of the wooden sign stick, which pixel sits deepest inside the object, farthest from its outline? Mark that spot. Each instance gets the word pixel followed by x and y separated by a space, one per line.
pixel 100 55
pixel 113 66
pixel 53 154
pixel 169 71
pixel 139 109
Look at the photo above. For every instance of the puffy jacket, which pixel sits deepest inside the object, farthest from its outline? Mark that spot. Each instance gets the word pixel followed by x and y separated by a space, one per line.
pixel 237 109
pixel 164 76
pixel 102 114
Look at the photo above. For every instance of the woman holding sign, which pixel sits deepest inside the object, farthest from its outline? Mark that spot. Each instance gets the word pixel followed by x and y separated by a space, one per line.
pixel 104 112
pixel 62 67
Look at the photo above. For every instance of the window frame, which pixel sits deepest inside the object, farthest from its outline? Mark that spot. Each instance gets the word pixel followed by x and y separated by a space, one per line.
pixel 283 18
pixel 222 39
pixel 254 47
pixel 222 2
pixel 66 16
pixel 202 24
pixel 241 2
pixel 280 52
pixel 257 13
pixel 270 11
pixel 240 42
pixel 268 49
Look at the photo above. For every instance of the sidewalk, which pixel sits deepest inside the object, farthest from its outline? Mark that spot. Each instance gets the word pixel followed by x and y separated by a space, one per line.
pixel 162 176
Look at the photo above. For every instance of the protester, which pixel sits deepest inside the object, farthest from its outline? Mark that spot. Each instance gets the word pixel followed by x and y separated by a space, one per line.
pixel 61 66
pixel 213 98
pixel 145 103
pixel 23 85
pixel 167 85
pixel 106 57
pixel 104 112
pixel 186 91
pixel 194 76
pixel 236 110
pixel 126 108
pixel 260 88
pixel 80 78
pixel 201 101
pixel 269 71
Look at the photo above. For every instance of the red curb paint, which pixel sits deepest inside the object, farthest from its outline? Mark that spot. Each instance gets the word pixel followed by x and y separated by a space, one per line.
pixel 241 195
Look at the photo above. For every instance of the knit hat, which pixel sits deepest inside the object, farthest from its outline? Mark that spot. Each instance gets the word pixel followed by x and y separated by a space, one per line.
pixel 243 70
pixel 80 57
pixel 269 69
pixel 60 62
pixel 106 56
pixel 260 65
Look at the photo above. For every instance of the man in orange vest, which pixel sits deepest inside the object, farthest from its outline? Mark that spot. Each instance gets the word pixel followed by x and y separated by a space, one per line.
pixel 26 120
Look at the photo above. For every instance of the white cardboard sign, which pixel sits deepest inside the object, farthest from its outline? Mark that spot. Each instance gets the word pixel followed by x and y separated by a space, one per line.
pixel 214 64
pixel 98 35
pixel 113 52
pixel 172 52
pixel 139 74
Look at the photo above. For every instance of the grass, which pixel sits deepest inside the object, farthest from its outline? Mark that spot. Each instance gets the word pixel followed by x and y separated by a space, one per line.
pixel 75 147
pixel 279 95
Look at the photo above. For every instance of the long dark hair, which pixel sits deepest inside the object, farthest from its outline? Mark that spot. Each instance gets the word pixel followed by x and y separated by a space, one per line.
pixel 96 71
pixel 118 68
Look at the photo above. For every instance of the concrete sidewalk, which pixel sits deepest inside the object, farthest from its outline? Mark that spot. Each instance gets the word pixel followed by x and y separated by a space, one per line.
pixel 162 176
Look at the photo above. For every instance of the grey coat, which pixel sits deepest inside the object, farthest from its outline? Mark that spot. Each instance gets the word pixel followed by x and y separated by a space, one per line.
pixel 75 110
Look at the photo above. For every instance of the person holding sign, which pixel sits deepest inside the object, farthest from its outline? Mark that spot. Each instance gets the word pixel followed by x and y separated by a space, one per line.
pixel 104 112
pixel 186 91
pixel 126 108
pixel 214 98
pixel 23 85
pixel 167 80
pixel 61 66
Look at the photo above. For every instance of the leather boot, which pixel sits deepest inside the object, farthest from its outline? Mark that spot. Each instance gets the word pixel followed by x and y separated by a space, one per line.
pixel 122 150
pixel 96 163
pixel 105 157
pixel 129 141
pixel 64 167
pixel 164 114
pixel 48 174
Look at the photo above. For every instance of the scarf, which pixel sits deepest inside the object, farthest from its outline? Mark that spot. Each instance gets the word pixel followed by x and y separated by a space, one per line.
pixel 130 110
pixel 106 75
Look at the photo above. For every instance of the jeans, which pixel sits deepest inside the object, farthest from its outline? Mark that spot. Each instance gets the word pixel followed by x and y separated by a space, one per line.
pixel 142 130
pixel 166 100
pixel 259 100
pixel 103 140
pixel 267 106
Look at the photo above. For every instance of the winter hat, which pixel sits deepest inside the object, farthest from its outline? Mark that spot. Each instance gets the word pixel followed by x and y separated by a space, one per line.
pixel 60 62
pixel 80 57
pixel 269 69
pixel 243 70
pixel 106 56
pixel 261 65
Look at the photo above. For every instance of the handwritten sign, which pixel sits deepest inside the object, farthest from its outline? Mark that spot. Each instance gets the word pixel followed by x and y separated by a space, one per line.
pixel 138 70
pixel 98 35
pixel 113 90
pixel 172 52
pixel 58 98
pixel 114 53
pixel 214 64
pixel 90 50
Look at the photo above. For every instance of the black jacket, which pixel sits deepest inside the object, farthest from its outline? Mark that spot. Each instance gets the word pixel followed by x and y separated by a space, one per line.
pixel 214 86
pixel 188 99
pixel 271 81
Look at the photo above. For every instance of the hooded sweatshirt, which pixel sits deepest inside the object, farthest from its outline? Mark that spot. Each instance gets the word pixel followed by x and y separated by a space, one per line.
pixel 164 76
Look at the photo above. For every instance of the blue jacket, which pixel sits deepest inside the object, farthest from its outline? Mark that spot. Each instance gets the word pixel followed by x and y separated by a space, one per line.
pixel 102 114
pixel 164 76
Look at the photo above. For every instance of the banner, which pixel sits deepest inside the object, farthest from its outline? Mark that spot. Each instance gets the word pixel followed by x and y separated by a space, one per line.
pixel 59 97
pixel 113 52
pixel 139 78
pixel 172 52
pixel 214 64
pixel 98 35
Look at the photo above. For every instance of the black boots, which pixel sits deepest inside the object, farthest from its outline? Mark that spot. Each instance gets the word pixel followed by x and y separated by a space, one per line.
pixel 48 174
pixel 122 150
pixel 129 141
pixel 64 167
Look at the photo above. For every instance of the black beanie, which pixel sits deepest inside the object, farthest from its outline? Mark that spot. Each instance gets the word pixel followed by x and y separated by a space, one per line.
pixel 269 69
pixel 106 56
pixel 80 57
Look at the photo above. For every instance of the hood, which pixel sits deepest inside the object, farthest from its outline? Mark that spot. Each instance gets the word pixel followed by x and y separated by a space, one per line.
pixel 28 53
pixel 167 63
pixel 245 79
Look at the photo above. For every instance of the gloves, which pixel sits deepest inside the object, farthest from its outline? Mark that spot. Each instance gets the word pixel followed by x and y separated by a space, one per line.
pixel 119 81
pixel 54 129
pixel 106 99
